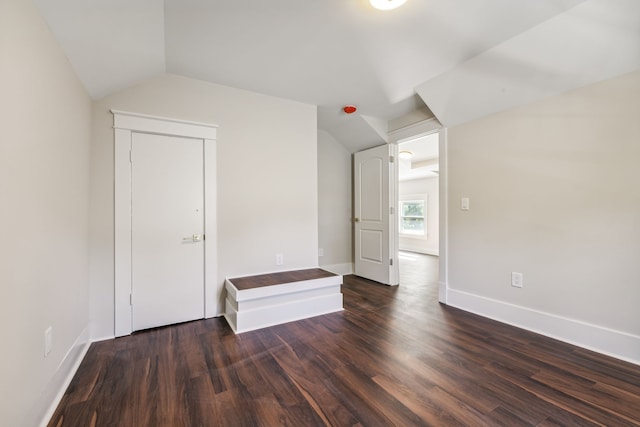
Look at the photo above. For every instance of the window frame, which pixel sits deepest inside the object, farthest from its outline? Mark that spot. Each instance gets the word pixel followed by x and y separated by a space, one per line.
pixel 413 199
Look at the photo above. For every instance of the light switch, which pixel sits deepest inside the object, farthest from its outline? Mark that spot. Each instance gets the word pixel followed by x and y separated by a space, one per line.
pixel 464 203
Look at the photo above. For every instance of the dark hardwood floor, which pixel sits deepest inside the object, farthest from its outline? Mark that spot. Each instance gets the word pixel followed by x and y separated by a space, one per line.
pixel 394 356
pixel 252 282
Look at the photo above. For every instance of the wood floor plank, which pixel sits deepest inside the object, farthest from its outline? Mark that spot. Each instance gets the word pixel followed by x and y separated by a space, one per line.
pixel 394 356
pixel 561 400
pixel 418 402
pixel 371 404
pixel 262 280
pixel 457 408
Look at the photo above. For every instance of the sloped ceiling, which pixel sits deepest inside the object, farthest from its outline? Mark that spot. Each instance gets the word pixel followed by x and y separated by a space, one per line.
pixel 594 41
pixel 112 44
pixel 336 52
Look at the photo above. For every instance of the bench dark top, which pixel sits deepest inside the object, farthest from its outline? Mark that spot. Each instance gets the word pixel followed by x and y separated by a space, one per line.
pixel 251 282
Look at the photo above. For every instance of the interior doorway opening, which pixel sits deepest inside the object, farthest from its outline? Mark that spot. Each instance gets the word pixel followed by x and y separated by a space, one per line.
pixel 419 208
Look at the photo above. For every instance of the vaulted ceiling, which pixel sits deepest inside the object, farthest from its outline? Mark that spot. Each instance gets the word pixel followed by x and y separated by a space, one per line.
pixel 460 59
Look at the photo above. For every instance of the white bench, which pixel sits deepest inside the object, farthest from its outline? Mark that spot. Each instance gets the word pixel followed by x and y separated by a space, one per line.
pixel 256 302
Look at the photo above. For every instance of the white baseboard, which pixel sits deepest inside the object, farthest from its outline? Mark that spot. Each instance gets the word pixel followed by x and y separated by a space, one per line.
pixel 620 345
pixel 55 389
pixel 104 338
pixel 434 252
pixel 340 269
pixel 442 292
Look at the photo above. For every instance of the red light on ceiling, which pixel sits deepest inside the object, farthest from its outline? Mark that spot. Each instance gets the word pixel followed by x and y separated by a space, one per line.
pixel 349 109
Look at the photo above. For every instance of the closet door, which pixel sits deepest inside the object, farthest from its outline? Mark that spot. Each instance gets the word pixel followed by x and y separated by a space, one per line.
pixel 167 230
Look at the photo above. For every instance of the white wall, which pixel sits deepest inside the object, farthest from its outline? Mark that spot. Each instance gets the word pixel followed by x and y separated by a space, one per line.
pixel 44 176
pixel 334 205
pixel 555 194
pixel 267 179
pixel 422 188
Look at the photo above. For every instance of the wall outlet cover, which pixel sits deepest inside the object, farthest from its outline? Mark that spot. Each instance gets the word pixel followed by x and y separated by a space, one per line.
pixel 517 280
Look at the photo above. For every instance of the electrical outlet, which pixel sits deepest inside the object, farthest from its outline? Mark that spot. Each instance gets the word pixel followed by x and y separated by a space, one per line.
pixel 517 280
pixel 279 259
pixel 48 340
pixel 320 252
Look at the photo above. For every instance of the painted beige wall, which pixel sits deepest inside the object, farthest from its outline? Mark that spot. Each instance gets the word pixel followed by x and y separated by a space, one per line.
pixel 334 204
pixel 555 194
pixel 267 179
pixel 428 244
pixel 44 191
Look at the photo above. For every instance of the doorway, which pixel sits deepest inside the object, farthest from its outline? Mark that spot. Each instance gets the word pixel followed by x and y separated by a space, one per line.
pixel 129 129
pixel 419 207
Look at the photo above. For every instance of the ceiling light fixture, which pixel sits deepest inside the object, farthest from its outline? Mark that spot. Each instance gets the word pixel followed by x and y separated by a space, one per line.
pixel 405 155
pixel 386 4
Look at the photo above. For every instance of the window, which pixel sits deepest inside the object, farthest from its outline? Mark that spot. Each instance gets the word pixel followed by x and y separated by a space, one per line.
pixel 412 217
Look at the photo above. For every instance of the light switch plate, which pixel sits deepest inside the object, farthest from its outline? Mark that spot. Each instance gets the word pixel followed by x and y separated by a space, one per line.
pixel 464 203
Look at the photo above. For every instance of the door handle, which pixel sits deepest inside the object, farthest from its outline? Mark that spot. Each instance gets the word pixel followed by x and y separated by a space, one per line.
pixel 193 238
pixel 357 220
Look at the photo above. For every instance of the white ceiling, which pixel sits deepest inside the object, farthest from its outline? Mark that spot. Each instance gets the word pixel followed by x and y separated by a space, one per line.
pixel 425 160
pixel 336 52
pixel 594 41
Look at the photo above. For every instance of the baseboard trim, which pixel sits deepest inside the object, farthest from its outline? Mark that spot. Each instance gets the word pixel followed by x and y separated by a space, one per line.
pixel 434 252
pixel 56 387
pixel 442 292
pixel 621 345
pixel 340 269
pixel 103 338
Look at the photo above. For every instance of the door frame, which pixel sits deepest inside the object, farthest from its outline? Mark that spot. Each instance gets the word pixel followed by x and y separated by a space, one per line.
pixel 125 124
pixel 412 131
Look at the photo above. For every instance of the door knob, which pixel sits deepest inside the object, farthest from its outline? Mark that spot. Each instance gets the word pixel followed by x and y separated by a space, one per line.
pixel 357 219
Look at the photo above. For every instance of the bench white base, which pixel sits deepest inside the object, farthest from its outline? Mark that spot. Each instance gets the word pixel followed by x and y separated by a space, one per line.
pixel 250 309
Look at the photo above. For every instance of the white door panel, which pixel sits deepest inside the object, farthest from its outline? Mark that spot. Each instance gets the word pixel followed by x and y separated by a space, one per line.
pixel 167 215
pixel 371 245
pixel 375 182
pixel 372 172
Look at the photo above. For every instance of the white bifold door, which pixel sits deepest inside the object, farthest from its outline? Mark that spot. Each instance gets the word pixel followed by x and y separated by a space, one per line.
pixel 167 225
pixel 375 189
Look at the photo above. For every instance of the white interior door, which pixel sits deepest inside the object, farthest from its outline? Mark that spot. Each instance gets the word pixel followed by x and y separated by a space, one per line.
pixel 167 223
pixel 375 183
